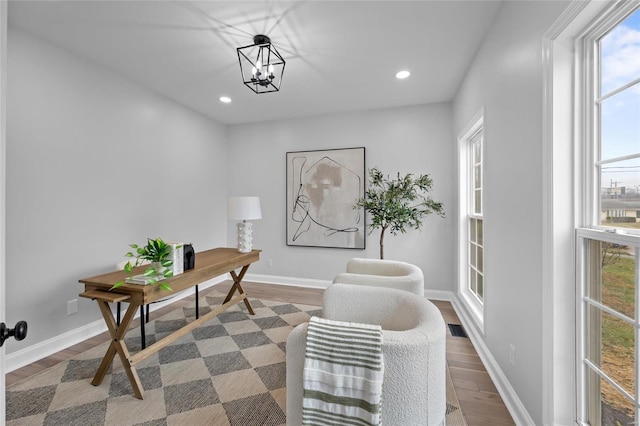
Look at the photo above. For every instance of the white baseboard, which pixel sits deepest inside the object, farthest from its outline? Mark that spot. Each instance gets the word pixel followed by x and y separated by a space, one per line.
pixel 35 352
pixel 509 396
pixel 296 282
pixel 438 295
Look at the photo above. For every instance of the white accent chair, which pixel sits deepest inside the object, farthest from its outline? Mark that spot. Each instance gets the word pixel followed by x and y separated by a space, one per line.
pixel 414 384
pixel 383 273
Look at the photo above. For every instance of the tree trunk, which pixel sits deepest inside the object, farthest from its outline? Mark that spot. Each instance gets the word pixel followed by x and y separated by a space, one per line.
pixel 384 228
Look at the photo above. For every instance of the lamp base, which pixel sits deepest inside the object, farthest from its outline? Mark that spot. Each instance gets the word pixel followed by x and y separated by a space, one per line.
pixel 245 238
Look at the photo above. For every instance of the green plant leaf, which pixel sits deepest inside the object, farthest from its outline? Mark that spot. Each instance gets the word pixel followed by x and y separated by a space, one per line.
pixel 165 286
pixel 128 267
pixel 167 263
pixel 168 273
pixel 117 284
pixel 149 272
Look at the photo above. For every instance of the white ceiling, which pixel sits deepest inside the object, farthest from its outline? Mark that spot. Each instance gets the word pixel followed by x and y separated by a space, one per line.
pixel 341 55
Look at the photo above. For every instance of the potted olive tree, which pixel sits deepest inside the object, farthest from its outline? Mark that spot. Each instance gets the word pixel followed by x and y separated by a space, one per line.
pixel 398 204
pixel 157 252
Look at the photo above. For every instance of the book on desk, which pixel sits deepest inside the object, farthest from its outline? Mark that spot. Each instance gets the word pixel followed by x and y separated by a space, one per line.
pixel 143 279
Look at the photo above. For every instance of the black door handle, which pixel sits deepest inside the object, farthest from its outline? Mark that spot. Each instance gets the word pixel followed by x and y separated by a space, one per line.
pixel 19 332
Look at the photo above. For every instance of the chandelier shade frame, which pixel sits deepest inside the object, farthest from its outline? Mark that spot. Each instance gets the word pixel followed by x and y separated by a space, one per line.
pixel 261 65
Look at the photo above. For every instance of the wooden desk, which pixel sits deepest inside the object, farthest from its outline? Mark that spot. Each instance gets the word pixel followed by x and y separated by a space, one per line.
pixel 209 264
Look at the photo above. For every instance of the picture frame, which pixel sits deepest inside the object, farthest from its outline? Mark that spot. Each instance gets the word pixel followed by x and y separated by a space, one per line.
pixel 323 187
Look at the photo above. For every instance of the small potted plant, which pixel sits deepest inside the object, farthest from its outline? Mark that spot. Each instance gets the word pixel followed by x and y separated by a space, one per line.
pixel 158 253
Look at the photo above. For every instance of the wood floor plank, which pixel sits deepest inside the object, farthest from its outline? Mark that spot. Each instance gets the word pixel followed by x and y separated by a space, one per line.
pixel 479 399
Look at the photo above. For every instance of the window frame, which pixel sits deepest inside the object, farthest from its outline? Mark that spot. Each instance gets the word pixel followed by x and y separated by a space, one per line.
pixel 474 305
pixel 588 100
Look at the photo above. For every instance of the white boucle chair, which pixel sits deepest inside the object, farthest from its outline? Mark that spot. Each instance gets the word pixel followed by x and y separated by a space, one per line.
pixel 383 273
pixel 414 384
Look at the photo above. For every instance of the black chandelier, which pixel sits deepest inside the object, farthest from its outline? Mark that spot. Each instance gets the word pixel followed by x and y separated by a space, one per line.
pixel 261 65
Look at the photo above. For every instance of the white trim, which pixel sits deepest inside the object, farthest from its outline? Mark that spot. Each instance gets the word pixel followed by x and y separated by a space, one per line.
pixel 280 280
pixel 445 295
pixel 559 181
pixel 33 353
pixel 470 301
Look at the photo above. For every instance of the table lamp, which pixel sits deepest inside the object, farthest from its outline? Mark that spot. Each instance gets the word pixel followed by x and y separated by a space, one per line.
pixel 244 209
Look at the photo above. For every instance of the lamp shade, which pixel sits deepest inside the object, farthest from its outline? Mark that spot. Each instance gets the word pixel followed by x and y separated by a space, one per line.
pixel 244 208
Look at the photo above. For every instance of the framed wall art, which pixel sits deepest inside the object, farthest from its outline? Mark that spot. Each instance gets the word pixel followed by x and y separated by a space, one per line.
pixel 322 189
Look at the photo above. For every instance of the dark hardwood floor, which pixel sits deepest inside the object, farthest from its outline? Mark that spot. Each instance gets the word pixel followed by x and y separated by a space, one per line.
pixel 480 401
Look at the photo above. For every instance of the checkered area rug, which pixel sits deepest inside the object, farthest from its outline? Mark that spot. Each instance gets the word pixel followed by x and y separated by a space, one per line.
pixel 229 371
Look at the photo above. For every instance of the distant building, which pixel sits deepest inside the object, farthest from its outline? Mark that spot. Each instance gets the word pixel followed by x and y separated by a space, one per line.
pixel 612 208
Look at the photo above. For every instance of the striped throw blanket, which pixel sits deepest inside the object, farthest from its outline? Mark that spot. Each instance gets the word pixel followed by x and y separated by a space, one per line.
pixel 343 373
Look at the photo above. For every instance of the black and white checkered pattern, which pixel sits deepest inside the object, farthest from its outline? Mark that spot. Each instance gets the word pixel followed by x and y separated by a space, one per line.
pixel 229 371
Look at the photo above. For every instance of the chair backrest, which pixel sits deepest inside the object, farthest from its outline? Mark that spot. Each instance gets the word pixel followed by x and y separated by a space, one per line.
pixel 383 273
pixel 391 309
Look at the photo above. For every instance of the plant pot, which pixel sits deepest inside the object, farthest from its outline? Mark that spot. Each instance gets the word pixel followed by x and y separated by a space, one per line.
pixel 158 267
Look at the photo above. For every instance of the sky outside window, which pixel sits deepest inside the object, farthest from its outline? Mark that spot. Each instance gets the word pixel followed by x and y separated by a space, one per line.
pixel 620 113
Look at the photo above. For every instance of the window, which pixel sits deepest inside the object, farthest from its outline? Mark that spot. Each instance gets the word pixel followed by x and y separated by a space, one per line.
pixel 471 226
pixel 475 281
pixel 608 246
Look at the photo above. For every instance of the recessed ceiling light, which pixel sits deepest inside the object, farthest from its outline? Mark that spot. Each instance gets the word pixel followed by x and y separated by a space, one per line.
pixel 402 74
pixel 225 99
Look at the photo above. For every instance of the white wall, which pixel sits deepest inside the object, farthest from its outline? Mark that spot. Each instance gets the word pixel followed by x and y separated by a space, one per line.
pixel 506 78
pixel 415 139
pixel 95 163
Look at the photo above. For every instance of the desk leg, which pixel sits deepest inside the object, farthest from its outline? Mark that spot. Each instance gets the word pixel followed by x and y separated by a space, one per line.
pixel 143 337
pixel 197 303
pixel 117 346
pixel 236 286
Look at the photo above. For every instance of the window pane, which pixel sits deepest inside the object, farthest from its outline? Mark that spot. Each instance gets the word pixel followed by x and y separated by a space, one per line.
pixel 619 194
pixel 608 406
pixel 480 286
pixel 472 254
pixel 472 230
pixel 611 346
pixel 620 63
pixel 612 276
pixel 478 202
pixel 620 124
pixel 480 259
pixel 480 232
pixel 477 152
pixel 472 279
pixel 477 173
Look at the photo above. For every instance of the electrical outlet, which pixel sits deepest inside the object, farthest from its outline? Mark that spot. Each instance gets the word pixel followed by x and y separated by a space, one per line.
pixel 72 306
pixel 269 263
pixel 512 355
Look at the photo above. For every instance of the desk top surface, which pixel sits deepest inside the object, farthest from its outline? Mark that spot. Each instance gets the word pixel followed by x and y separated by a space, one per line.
pixel 208 264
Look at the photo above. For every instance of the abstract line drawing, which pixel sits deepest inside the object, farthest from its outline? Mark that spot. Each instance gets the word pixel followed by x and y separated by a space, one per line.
pixel 322 189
